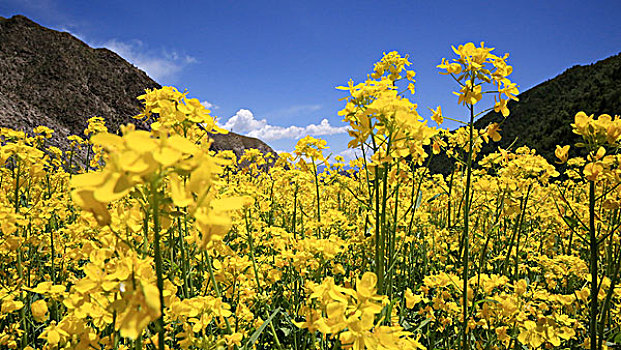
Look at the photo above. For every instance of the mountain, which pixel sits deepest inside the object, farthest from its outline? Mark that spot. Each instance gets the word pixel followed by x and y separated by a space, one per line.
pixel 541 118
pixel 53 79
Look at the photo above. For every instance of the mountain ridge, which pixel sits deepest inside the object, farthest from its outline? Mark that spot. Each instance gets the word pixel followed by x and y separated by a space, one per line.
pixel 54 79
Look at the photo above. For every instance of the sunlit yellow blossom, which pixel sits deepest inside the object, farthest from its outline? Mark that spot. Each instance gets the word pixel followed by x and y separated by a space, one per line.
pixel 437 115
pixel 562 153
pixel 39 310
pixel 469 93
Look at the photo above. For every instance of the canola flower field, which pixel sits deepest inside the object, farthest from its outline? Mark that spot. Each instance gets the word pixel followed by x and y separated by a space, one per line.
pixel 154 242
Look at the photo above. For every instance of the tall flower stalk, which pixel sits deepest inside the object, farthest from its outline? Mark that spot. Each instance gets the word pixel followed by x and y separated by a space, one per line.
pixel 387 129
pixel 601 136
pixel 471 71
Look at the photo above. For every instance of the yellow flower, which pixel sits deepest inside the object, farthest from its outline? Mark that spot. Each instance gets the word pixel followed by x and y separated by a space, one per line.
pixel 492 131
pixel 599 154
pixel 530 335
pixel 366 286
pixel 137 309
pixel 451 68
pixel 10 305
pixel 437 115
pixel 581 123
pixel 54 334
pixel 501 106
pixel 212 224
pixel 593 170
pixel 39 310
pixel 311 147
pixel 469 94
pixel 411 88
pixel 411 299
pixel 180 196
pixel 562 153
pixel 234 339
pixel 613 132
pixel 410 75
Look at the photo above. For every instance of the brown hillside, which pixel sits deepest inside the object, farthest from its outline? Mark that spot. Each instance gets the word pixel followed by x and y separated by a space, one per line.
pixel 52 78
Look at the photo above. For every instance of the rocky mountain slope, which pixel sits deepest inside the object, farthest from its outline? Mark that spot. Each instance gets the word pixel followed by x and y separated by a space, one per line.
pixel 52 78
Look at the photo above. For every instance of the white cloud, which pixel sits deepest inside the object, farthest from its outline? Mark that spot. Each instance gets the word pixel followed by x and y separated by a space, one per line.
pixel 209 105
pixel 161 67
pixel 350 154
pixel 244 122
pixel 324 128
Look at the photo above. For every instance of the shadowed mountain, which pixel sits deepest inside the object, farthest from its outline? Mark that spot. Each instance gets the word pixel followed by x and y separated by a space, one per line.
pixel 53 79
pixel 541 118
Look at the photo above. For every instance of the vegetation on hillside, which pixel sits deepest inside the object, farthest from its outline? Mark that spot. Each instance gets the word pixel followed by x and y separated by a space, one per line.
pixel 542 116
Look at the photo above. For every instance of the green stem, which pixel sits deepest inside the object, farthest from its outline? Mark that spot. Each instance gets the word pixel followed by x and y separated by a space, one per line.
pixel 295 207
pixel 252 258
pixel 256 274
pixel 594 252
pixel 88 157
pixel 158 262
pixel 317 191
pixel 184 271
pixel 466 233
pixel 216 288
pixel 20 271
pixel 519 230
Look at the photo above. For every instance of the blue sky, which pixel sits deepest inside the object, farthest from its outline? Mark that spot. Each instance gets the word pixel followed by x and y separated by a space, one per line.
pixel 274 65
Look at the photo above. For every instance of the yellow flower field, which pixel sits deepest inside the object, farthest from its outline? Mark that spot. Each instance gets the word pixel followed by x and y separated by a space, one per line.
pixel 155 242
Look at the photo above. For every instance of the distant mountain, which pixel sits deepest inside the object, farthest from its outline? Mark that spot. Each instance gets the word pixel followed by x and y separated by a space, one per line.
pixel 53 79
pixel 541 118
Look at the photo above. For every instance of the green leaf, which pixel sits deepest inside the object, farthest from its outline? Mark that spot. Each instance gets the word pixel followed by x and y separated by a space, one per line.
pixel 487 300
pixel 285 331
pixel 255 336
pixel 423 324
pixel 176 214
pixel 434 197
pixel 418 200
pixel 571 222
